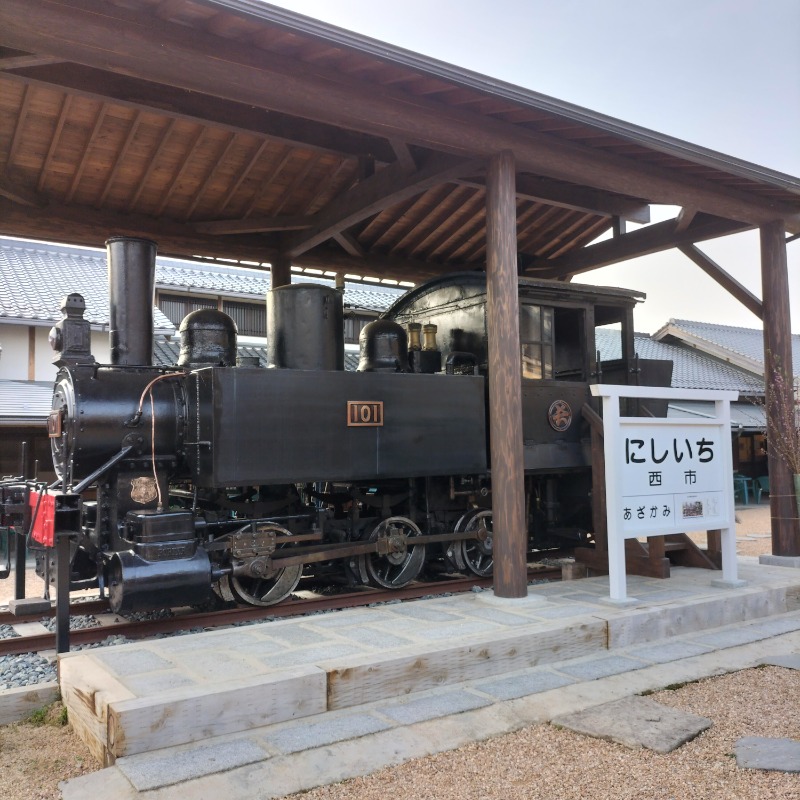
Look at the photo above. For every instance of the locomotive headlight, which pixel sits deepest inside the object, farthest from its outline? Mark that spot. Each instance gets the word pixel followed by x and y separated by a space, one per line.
pixel 55 338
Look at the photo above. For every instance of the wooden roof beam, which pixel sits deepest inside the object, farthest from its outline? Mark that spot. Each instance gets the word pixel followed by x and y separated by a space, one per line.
pixel 576 198
pixel 642 242
pixel 60 223
pixel 17 59
pixel 18 192
pixel 236 227
pixel 724 279
pixel 390 185
pixel 198 61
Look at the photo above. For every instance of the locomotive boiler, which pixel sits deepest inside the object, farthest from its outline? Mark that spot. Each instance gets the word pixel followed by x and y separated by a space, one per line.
pixel 211 479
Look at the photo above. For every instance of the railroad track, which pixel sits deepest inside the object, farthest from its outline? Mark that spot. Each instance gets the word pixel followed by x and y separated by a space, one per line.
pixel 35 638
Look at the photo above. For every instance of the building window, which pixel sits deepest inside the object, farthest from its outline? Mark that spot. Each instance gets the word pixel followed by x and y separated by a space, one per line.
pixel 353 325
pixel 250 318
pixel 176 306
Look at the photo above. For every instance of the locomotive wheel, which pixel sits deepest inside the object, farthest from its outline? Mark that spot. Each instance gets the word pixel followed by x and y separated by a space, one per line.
pixel 477 554
pixel 454 553
pixel 266 591
pixel 402 563
pixel 262 589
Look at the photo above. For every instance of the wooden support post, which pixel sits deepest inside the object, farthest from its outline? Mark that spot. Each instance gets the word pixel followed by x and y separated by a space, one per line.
pixel 778 359
pixel 281 270
pixel 505 382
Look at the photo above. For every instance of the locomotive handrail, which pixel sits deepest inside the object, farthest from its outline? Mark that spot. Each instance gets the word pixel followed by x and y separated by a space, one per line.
pixel 90 479
pixel 592 417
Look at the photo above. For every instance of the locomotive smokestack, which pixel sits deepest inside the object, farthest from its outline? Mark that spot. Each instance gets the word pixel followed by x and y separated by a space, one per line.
pixel 131 282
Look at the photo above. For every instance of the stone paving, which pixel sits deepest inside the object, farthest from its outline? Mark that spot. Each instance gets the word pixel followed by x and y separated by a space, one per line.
pixel 384 684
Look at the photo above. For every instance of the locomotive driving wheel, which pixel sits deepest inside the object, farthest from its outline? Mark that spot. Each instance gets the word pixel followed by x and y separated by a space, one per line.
pixel 477 554
pixel 399 561
pixel 261 583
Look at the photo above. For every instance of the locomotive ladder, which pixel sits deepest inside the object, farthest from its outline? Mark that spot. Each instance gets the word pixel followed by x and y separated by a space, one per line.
pixel 650 558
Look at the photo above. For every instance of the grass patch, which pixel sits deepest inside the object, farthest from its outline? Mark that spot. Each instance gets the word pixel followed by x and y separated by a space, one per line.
pixel 55 714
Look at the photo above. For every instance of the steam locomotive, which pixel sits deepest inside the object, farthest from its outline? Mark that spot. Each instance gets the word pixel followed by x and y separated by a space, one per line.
pixel 176 485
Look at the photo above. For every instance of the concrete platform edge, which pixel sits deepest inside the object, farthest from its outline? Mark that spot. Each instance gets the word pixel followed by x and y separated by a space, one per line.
pixel 281 775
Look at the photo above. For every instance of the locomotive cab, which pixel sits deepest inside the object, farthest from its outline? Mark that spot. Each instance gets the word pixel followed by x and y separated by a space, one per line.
pixel 570 336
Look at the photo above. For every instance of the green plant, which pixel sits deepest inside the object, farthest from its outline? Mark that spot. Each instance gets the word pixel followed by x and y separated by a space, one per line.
pixel 39 717
pixel 55 714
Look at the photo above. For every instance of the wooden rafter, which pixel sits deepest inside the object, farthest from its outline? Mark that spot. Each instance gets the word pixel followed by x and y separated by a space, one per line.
pixel 244 172
pixel 296 182
pixel 387 187
pixel 418 238
pixel 652 239
pixel 577 198
pixel 134 127
pixel 60 223
pixel 328 179
pixel 176 178
pixel 724 279
pixel 76 176
pixel 54 140
pixel 20 193
pixel 266 182
pixel 237 227
pixel 383 228
pixel 162 143
pixel 453 238
pixel 218 162
pixel 144 95
pixel 26 60
pixel 21 119
pixel 349 244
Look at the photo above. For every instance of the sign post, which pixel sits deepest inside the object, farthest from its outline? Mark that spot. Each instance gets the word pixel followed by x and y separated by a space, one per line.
pixel 666 476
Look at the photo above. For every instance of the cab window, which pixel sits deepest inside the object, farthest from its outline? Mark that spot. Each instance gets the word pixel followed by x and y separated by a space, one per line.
pixel 536 341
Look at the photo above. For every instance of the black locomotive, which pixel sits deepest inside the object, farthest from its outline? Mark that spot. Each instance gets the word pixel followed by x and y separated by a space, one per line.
pixel 234 479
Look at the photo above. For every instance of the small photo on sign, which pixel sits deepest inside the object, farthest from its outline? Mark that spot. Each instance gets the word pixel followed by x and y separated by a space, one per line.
pixel 692 508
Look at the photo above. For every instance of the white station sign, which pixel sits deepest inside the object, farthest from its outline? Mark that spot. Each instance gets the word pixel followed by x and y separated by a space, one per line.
pixel 666 476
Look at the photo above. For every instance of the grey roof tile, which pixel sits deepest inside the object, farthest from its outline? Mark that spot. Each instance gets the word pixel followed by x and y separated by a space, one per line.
pixel 747 342
pixel 35 277
pixel 691 369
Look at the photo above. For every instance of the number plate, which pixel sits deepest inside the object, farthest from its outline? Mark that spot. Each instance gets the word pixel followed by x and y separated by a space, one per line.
pixel 364 413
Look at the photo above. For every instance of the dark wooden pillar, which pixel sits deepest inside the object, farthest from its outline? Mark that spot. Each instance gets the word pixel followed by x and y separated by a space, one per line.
pixel 778 359
pixel 281 270
pixel 505 388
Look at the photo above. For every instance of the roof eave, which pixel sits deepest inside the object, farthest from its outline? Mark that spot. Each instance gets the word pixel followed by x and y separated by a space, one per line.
pixel 298 23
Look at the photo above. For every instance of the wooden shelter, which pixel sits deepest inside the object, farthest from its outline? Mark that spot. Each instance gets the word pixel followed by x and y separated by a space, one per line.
pixel 233 129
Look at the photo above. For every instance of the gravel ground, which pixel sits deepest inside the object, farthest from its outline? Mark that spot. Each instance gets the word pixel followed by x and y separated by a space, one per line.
pixel 553 764
pixel 537 762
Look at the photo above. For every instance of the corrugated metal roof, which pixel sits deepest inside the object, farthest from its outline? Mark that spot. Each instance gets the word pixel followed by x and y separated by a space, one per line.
pixel 25 402
pixel 35 277
pixel 744 416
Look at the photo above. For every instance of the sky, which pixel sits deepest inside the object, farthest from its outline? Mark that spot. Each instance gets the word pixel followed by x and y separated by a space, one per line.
pixel 724 74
